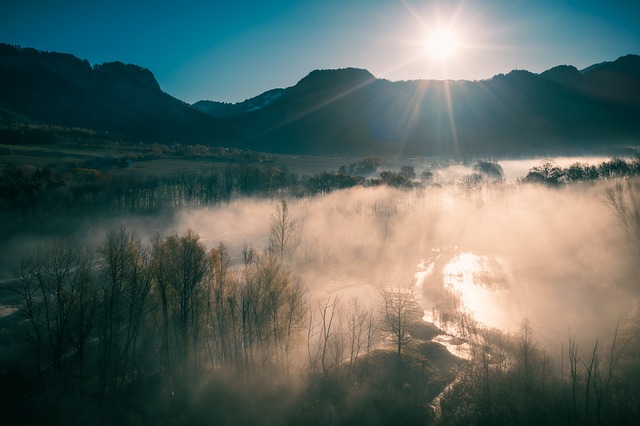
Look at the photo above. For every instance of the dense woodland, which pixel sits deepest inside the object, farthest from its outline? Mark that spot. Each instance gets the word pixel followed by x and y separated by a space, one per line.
pixel 170 331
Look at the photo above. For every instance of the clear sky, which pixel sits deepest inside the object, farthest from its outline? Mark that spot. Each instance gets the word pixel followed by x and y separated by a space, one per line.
pixel 236 49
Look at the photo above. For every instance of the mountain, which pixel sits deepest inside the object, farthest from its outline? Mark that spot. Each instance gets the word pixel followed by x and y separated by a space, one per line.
pixel 225 110
pixel 60 89
pixel 350 112
pixel 339 112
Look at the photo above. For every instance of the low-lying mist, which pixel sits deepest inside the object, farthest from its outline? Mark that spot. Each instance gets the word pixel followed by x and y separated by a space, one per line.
pixel 568 271
pixel 313 305
pixel 567 268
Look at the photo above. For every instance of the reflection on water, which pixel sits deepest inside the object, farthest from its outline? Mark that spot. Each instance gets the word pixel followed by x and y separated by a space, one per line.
pixel 454 345
pixel 7 310
pixel 419 293
pixel 480 285
pixel 483 288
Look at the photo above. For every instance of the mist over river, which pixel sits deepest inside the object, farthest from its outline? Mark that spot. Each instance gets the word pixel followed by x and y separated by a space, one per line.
pixel 509 251
pixel 552 256
pixel 458 289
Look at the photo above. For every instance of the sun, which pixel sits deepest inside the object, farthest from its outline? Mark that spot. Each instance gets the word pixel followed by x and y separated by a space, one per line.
pixel 442 43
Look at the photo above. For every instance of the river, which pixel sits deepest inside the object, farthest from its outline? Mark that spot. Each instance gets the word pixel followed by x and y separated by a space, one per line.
pixel 478 285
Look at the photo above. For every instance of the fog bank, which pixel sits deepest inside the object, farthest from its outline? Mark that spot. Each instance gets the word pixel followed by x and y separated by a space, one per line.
pixel 561 251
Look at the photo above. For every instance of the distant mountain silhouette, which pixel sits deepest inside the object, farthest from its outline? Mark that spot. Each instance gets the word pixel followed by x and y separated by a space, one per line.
pixel 60 89
pixel 339 112
pixel 226 110
pixel 350 112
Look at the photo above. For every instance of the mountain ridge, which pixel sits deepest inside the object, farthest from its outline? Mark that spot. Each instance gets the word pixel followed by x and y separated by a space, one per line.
pixel 61 89
pixel 518 112
pixel 345 111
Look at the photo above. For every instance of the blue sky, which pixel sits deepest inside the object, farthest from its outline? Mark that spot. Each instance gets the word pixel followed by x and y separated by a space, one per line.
pixel 233 50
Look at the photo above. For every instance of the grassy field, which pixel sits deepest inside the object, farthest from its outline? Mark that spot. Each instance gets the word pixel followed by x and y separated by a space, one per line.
pixel 48 155
pixel 78 156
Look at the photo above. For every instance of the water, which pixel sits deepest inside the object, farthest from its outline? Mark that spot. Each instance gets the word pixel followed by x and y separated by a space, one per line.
pixel 484 290
pixel 481 286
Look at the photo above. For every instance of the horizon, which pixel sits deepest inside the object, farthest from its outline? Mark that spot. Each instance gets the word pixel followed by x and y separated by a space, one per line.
pixel 231 52
pixel 504 72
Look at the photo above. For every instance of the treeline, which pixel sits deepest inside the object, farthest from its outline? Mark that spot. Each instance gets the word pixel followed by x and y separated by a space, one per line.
pixel 94 187
pixel 43 134
pixel 88 189
pixel 44 190
pixel 32 190
pixel 551 174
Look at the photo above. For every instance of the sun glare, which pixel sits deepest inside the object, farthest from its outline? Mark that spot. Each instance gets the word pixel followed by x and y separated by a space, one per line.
pixel 442 43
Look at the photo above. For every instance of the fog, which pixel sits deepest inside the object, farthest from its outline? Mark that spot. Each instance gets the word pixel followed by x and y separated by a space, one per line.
pixel 89 230
pixel 513 168
pixel 479 256
pixel 559 250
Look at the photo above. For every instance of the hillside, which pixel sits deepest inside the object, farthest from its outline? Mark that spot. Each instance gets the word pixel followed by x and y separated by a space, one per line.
pixel 60 89
pixel 336 112
pixel 351 112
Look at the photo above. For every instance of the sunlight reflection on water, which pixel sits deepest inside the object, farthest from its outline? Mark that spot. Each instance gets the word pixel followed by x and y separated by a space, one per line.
pixel 484 290
pixel 483 286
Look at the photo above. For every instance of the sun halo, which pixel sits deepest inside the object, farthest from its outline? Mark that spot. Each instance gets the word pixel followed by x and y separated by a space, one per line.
pixel 442 44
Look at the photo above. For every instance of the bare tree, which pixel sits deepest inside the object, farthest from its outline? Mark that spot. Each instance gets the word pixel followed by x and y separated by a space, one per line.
pixel 180 269
pixel 322 338
pixel 282 301
pixel 359 322
pixel 385 215
pixel 295 304
pixel 527 348
pixel 268 309
pixel 283 230
pixel 161 273
pixel 249 292
pixel 399 309
pixel 56 288
pixel 125 283
pixel 221 303
pixel 327 334
pixel 623 199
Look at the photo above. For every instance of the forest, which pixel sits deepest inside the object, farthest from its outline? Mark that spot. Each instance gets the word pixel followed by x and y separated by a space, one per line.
pixel 263 296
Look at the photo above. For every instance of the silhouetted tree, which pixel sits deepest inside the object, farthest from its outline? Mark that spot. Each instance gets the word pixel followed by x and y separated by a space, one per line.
pixel 222 304
pixel 623 199
pixel 408 172
pixel 283 230
pixel 548 172
pixel 398 309
pixel 490 169
pixel 427 175
pixel 125 283
pixel 359 330
pixel 396 180
pixel 56 285
pixel 180 268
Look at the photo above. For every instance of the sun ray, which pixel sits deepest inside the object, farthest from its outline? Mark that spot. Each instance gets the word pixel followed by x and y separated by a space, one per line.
pixel 452 117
